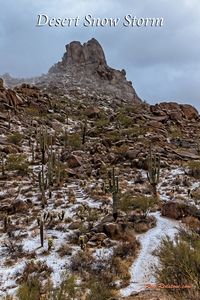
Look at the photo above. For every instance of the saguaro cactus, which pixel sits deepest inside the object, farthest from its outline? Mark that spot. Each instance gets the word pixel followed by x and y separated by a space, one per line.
pixel 114 189
pixel 42 232
pixel 65 139
pixel 6 222
pixel 2 165
pixel 32 152
pixel 43 144
pixel 153 172
pixel 84 131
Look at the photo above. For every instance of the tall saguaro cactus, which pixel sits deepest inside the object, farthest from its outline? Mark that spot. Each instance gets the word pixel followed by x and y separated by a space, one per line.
pixel 43 144
pixel 153 172
pixel 114 189
pixel 42 232
pixel 2 165
pixel 84 131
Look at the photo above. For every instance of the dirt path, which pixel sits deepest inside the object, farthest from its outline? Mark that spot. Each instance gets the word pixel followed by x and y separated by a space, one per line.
pixel 141 270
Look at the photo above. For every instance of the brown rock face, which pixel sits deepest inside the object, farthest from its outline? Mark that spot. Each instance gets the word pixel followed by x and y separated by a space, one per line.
pixel 88 53
pixel 189 111
pixel 8 96
pixel 175 111
pixel 73 161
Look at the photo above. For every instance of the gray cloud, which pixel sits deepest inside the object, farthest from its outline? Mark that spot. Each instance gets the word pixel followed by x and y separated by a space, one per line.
pixel 163 63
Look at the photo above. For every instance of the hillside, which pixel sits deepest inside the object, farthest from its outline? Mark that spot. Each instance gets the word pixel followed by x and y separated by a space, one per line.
pixel 92 178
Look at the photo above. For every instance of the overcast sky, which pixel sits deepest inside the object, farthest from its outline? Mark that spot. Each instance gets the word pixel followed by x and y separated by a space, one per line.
pixel 162 62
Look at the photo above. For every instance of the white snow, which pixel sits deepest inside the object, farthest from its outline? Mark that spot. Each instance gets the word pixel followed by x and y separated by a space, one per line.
pixel 141 270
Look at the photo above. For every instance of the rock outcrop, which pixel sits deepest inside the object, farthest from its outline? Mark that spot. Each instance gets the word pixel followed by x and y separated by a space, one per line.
pixel 175 111
pixel 9 97
pixel 84 68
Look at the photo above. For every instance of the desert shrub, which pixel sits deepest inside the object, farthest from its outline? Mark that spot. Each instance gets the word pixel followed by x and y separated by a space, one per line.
pixel 8 297
pixel 194 168
pixel 134 131
pixel 81 261
pixel 124 120
pixel 35 267
pixel 125 249
pixel 193 223
pixel 66 291
pixel 64 249
pixel 101 122
pixel 122 150
pixel 29 289
pixel 113 136
pixel 175 132
pixel 126 201
pixel 196 194
pixel 32 111
pixel 120 268
pixel 144 203
pixel 98 289
pixel 15 138
pixel 179 263
pixel 17 162
pixel 74 141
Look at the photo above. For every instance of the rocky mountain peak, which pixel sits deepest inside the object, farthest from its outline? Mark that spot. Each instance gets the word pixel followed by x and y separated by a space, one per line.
pixel 84 67
pixel 88 53
pixel 84 73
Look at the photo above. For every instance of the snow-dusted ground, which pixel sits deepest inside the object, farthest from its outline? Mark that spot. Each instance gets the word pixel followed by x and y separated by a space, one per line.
pixel 142 269
pixel 31 243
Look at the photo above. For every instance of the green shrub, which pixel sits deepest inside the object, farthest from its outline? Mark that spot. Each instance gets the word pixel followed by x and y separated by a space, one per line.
pixel 67 290
pixel 99 289
pixel 124 120
pixel 144 203
pixel 194 168
pixel 29 290
pixel 17 162
pixel 175 132
pixel 129 201
pixel 15 138
pixel 74 140
pixel 134 131
pixel 179 263
pixel 126 201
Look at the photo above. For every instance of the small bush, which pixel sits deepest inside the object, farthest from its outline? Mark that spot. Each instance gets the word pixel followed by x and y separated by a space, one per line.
pixel 15 138
pixel 81 261
pixel 17 162
pixel 66 291
pixel 129 202
pixel 125 249
pixel 194 168
pixel 121 268
pixel 175 132
pixel 99 289
pixel 64 249
pixel 193 223
pixel 126 201
pixel 144 203
pixel 179 263
pixel 29 289
pixel 33 267
pixel 74 141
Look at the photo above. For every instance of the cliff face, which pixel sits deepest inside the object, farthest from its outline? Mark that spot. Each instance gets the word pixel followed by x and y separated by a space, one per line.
pixel 85 67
